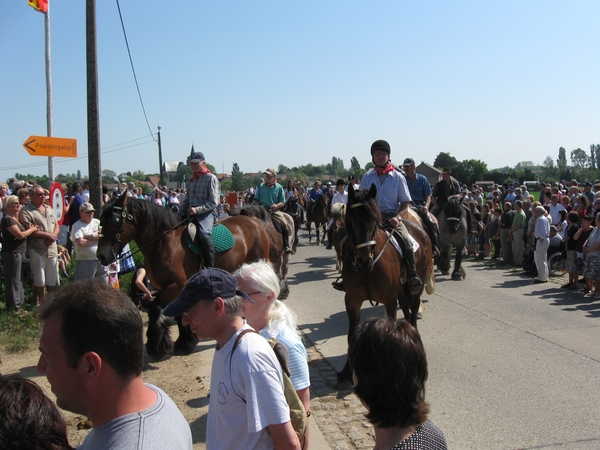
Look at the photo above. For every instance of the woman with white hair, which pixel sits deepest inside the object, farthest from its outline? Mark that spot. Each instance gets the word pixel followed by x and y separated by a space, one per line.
pixel 271 318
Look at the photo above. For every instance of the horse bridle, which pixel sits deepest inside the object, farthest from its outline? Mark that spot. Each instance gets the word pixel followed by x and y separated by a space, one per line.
pixel 370 243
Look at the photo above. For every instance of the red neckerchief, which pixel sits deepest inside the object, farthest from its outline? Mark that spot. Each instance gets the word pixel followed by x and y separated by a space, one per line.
pixel 385 170
pixel 204 171
pixel 271 184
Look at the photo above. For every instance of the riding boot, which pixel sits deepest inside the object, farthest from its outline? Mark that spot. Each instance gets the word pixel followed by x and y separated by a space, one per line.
pixel 285 233
pixel 468 217
pixel 433 232
pixel 414 280
pixel 329 237
pixel 208 250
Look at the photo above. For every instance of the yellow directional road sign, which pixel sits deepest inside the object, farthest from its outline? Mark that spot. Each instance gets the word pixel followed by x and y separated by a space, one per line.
pixel 51 146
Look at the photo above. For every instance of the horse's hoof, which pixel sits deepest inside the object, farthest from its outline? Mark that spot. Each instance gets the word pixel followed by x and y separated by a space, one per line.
pixel 343 385
pixel 156 355
pixel 184 348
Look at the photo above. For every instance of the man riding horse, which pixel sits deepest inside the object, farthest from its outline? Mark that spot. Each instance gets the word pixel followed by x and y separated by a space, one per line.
pixel 201 204
pixel 270 195
pixel 393 197
pixel 443 190
pixel 313 197
pixel 420 192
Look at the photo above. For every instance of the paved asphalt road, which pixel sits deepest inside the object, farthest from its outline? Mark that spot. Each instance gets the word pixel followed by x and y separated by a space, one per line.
pixel 512 365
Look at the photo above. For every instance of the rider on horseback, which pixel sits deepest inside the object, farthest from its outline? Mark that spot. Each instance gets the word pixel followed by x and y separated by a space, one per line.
pixel 201 204
pixel 393 197
pixel 444 189
pixel 340 196
pixel 313 197
pixel 420 192
pixel 270 195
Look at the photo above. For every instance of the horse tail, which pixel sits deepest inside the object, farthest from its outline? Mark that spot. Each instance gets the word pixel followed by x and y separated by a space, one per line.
pixel 430 279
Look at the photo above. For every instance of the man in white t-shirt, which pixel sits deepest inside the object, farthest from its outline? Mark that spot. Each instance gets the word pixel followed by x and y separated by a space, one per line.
pixel 85 233
pixel 247 406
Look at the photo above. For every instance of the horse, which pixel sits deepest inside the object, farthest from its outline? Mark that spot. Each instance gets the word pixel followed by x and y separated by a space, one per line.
pixel 318 215
pixel 372 267
pixel 168 260
pixel 453 231
pixel 338 232
pixel 277 256
pixel 293 208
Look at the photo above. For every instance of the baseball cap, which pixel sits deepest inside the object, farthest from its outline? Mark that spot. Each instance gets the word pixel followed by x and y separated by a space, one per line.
pixel 207 284
pixel 409 162
pixel 86 207
pixel 270 171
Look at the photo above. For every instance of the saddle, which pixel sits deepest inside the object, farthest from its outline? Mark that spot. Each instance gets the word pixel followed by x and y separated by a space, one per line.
pixel 221 237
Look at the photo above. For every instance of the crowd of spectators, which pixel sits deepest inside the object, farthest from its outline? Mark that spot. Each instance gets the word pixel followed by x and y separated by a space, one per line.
pixel 503 227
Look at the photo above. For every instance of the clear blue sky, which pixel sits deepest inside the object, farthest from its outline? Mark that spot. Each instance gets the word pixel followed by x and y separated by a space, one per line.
pixel 263 83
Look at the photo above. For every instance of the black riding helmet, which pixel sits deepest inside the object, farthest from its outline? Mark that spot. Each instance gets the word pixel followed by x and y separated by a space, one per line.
pixel 381 145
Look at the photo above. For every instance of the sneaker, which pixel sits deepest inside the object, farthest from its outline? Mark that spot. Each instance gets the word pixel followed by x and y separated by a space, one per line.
pixel 288 249
pixel 566 286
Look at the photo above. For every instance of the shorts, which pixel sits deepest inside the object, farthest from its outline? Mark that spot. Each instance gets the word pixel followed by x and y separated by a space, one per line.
pixel 86 269
pixel 45 270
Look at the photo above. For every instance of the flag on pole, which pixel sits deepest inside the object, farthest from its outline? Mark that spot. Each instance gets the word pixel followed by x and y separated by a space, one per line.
pixel 39 5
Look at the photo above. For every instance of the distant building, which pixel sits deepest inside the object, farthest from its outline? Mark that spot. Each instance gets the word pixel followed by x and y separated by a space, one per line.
pixel 432 174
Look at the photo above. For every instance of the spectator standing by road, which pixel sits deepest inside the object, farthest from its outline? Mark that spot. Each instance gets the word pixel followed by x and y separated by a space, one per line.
pixel 591 250
pixel 516 232
pixel 41 244
pixel 13 249
pixel 273 319
pixel 505 238
pixel 542 241
pixel 390 372
pixel 86 233
pixel 571 243
pixel 92 355
pixel 247 406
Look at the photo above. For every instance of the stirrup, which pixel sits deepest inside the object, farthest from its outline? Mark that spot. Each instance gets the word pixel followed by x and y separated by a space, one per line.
pixel 415 284
pixel 339 285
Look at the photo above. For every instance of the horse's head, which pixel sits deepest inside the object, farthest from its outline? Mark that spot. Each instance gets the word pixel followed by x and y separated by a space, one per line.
pixel 362 221
pixel 291 206
pixel 117 229
pixel 454 212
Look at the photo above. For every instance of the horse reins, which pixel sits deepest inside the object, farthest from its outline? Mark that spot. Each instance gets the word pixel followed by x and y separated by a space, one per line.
pixel 120 220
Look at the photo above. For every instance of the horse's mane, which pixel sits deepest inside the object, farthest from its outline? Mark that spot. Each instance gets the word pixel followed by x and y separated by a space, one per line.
pixel 260 212
pixel 145 212
pixel 454 207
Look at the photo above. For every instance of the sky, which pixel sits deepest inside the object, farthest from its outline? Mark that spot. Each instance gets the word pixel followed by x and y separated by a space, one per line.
pixel 267 82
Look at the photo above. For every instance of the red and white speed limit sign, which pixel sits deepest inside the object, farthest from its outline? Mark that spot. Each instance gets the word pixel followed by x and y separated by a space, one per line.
pixel 57 200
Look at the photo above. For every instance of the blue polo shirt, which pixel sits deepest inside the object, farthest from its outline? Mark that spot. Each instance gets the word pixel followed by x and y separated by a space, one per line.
pixel 419 188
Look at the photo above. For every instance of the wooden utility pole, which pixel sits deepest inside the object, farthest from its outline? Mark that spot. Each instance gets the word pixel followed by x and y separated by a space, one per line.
pixel 93 117
pixel 49 93
pixel 160 163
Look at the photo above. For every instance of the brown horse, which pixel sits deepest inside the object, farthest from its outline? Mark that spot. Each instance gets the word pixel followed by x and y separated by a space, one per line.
pixel 277 256
pixel 317 215
pixel 372 267
pixel 168 261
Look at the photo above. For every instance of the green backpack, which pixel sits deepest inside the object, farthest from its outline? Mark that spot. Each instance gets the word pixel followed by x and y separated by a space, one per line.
pixel 298 415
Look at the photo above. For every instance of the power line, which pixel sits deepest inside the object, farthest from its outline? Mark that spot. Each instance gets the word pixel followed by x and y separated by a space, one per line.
pixel 133 69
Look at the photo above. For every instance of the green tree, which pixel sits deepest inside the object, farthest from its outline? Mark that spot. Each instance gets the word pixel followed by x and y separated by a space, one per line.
pixel 184 173
pixel 211 168
pixel 470 171
pixel 237 178
pixel 561 162
pixel 282 170
pixel 579 158
pixel 444 161
pixel 109 176
pixel 139 175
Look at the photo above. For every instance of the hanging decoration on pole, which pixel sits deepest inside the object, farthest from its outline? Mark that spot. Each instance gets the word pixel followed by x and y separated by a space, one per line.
pixel 39 5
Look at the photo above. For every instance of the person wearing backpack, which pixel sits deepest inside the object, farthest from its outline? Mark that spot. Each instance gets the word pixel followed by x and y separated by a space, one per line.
pixel 273 319
pixel 247 407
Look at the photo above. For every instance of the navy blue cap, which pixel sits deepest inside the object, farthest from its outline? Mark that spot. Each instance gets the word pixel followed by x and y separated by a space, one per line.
pixel 196 156
pixel 207 284
pixel 409 162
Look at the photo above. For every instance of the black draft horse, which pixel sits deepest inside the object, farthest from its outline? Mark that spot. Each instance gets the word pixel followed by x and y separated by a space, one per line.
pixel 453 232
pixel 168 261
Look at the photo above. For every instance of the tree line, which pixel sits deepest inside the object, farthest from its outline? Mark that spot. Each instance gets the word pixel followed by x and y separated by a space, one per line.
pixel 583 167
